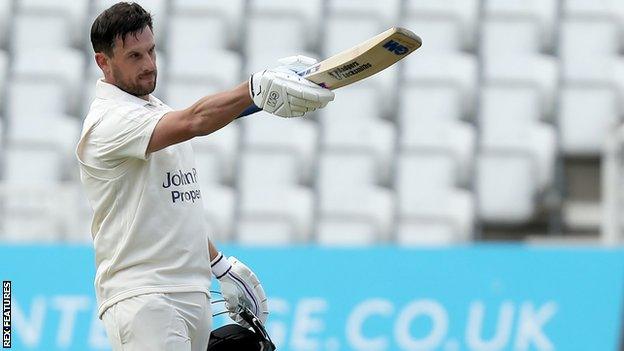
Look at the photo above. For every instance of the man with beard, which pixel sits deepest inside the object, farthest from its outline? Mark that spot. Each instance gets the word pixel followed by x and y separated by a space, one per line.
pixel 153 254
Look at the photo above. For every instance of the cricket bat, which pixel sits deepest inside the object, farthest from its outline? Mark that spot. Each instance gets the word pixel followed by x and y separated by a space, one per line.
pixel 364 59
pixel 361 61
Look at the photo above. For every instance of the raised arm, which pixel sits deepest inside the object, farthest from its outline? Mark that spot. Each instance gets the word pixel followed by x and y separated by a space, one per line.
pixel 207 115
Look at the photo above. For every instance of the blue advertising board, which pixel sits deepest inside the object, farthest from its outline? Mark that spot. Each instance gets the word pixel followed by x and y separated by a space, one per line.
pixel 482 297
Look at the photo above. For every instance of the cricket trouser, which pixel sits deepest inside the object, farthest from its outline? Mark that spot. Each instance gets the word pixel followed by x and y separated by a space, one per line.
pixel 160 322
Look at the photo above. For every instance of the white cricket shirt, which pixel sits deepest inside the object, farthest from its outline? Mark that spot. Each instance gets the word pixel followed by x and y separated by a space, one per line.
pixel 148 227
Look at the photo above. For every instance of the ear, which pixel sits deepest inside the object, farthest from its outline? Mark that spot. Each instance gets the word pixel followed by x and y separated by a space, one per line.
pixel 103 62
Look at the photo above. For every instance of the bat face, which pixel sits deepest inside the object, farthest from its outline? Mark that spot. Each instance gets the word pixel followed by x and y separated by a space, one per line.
pixel 363 60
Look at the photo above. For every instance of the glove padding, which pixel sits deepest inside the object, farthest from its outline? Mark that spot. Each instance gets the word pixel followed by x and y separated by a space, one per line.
pixel 296 63
pixel 240 286
pixel 286 94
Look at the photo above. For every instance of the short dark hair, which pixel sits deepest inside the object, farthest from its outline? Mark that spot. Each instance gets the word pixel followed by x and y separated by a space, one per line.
pixel 118 20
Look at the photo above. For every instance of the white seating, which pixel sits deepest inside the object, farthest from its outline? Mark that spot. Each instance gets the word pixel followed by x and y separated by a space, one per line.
pixel 341 33
pixel 349 197
pixel 217 153
pixel 267 169
pixel 54 129
pixel 29 28
pixel 541 13
pixel 307 13
pixel 50 97
pixel 213 68
pixel 506 185
pixel 189 33
pixel 36 64
pixel 356 102
pixel 510 121
pixel 4 71
pixel 6 14
pixel 377 137
pixel 458 71
pixel 428 197
pixel 385 13
pixel 158 9
pixel 268 33
pixel 465 13
pixel 527 37
pixel 585 118
pixel 44 165
pixel 298 137
pixel 429 120
pixel 538 71
pixel 74 12
pixel 439 34
pixel 219 208
pixel 270 215
pixel 346 232
pixel 230 13
pixel 592 37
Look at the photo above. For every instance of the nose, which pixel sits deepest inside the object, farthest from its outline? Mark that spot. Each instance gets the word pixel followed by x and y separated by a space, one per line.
pixel 150 63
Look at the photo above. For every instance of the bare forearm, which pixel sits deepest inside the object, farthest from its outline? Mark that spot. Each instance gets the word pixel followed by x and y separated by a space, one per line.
pixel 212 113
pixel 212 250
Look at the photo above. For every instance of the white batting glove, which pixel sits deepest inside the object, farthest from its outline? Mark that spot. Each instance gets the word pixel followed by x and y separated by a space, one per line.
pixel 239 285
pixel 297 63
pixel 286 94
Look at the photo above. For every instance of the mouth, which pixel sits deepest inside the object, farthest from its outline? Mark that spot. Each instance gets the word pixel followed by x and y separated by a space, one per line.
pixel 149 76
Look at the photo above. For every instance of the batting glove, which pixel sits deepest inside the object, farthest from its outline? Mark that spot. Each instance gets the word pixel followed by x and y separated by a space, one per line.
pixel 239 286
pixel 286 94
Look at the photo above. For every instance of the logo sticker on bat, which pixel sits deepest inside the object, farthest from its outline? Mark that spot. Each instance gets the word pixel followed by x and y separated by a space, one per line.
pixel 395 47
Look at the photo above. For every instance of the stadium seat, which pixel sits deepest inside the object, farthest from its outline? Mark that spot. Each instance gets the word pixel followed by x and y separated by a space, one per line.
pixel 377 137
pixel 74 12
pixel 385 14
pixel 219 207
pixel 35 64
pixel 348 197
pixel 465 13
pixel 267 168
pixel 27 31
pixel 510 121
pixel 6 15
pixel 4 74
pixel 274 215
pixel 297 137
pixel 342 33
pixel 506 185
pixel 189 33
pixel 594 37
pixel 526 34
pixel 230 13
pixel 217 152
pixel 429 199
pixel 51 97
pixel 457 71
pixel 439 34
pixel 538 71
pixel 217 68
pixel 307 13
pixel 542 14
pixel 289 30
pixel 60 130
pixel 586 116
pixel 429 119
pixel 45 165
pixel 354 103
pixel 35 218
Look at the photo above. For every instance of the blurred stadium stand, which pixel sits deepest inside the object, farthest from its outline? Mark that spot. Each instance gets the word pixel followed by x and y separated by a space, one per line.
pixel 495 129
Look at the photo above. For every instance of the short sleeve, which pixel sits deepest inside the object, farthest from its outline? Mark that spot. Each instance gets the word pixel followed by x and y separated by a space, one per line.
pixel 125 132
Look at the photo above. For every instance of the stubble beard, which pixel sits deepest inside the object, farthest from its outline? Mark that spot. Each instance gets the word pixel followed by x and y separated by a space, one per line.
pixel 134 89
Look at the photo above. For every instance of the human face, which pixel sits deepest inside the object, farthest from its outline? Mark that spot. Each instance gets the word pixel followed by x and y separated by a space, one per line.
pixel 132 68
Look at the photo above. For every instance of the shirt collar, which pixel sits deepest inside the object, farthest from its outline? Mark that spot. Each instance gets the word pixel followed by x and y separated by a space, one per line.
pixel 109 91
